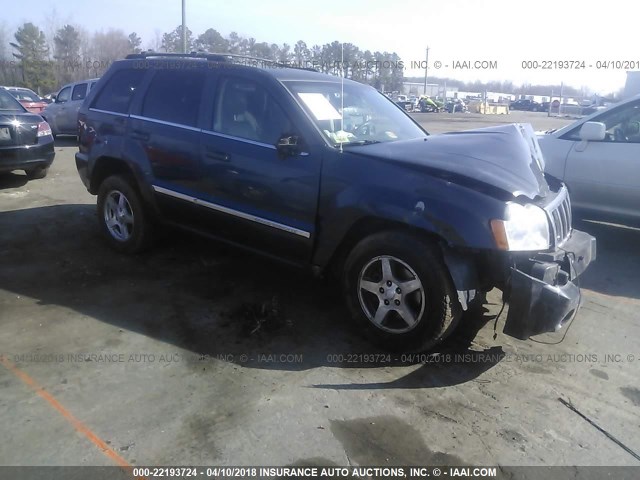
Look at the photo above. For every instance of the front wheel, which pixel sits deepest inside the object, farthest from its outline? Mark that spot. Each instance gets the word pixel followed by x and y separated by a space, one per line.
pixel 399 290
pixel 122 217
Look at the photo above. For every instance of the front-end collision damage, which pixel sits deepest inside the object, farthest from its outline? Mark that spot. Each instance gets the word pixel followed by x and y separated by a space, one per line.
pixel 541 291
pixel 464 273
pixel 536 306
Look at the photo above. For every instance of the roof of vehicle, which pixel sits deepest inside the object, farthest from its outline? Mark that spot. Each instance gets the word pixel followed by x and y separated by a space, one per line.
pixel 80 81
pixel 279 70
pixel 18 88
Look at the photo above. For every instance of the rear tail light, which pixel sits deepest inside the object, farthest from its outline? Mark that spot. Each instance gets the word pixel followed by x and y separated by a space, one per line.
pixel 44 129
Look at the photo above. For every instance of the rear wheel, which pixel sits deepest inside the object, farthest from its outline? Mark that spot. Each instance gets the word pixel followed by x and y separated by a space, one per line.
pixel 398 288
pixel 38 172
pixel 121 213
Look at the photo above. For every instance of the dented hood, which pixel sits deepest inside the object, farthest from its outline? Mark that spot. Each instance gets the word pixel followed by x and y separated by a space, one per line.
pixel 506 157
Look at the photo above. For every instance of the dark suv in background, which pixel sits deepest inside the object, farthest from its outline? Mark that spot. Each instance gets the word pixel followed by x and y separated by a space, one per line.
pixel 334 177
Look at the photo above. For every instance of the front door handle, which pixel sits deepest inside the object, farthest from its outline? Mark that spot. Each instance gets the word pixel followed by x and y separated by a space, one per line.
pixel 219 156
pixel 140 135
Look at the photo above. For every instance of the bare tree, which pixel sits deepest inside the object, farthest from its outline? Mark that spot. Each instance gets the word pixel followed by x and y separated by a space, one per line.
pixel 106 48
pixel 7 68
pixel 155 45
pixel 301 52
pixel 52 23
pixel 4 41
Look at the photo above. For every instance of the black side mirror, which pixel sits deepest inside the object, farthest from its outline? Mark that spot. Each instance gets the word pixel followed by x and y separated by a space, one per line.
pixel 288 146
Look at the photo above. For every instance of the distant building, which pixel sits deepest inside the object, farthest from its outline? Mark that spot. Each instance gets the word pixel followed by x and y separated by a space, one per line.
pixel 632 85
pixel 547 98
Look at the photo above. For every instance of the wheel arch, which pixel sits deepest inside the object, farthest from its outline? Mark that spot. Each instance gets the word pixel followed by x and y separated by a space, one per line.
pixel 367 226
pixel 462 267
pixel 106 165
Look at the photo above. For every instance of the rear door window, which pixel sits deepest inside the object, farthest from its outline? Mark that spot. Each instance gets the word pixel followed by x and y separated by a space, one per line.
pixel 116 95
pixel 175 96
pixel 79 92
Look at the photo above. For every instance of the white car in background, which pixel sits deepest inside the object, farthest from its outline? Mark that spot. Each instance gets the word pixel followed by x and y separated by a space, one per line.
pixel 598 157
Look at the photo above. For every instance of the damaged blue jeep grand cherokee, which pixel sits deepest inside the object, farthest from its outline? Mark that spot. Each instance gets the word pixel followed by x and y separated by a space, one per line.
pixel 334 177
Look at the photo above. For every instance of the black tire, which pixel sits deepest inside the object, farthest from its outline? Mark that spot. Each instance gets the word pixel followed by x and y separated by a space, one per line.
pixel 134 236
pixel 441 310
pixel 38 172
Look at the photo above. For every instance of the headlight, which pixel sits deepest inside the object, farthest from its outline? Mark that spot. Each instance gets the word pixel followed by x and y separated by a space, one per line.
pixel 526 228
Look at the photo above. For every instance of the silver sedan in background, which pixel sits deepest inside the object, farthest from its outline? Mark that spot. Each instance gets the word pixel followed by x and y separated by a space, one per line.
pixel 598 157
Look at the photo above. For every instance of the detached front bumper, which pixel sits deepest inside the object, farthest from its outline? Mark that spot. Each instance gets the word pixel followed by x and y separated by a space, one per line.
pixel 542 294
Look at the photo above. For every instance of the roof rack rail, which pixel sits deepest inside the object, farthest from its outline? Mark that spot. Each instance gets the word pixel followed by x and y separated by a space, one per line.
pixel 217 57
pixel 278 63
pixel 150 53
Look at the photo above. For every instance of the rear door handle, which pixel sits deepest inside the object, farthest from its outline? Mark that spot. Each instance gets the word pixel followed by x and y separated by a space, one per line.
pixel 219 156
pixel 140 135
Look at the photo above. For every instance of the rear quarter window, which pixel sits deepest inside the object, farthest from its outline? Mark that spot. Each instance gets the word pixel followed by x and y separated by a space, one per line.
pixel 117 93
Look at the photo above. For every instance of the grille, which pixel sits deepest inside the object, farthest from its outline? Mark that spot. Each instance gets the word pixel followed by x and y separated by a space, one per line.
pixel 559 211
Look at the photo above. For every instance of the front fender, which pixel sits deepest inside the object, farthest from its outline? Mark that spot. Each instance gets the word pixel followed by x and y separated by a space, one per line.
pixel 458 215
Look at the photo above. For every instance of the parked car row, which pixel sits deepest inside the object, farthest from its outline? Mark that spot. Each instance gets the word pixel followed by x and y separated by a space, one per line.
pixel 29 124
pixel 527 105
pixel 61 109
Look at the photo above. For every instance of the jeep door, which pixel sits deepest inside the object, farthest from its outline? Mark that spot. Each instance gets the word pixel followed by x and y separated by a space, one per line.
pixel 163 129
pixel 257 196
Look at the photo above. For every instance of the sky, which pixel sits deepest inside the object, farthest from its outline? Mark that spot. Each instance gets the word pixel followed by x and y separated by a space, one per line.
pixel 506 33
